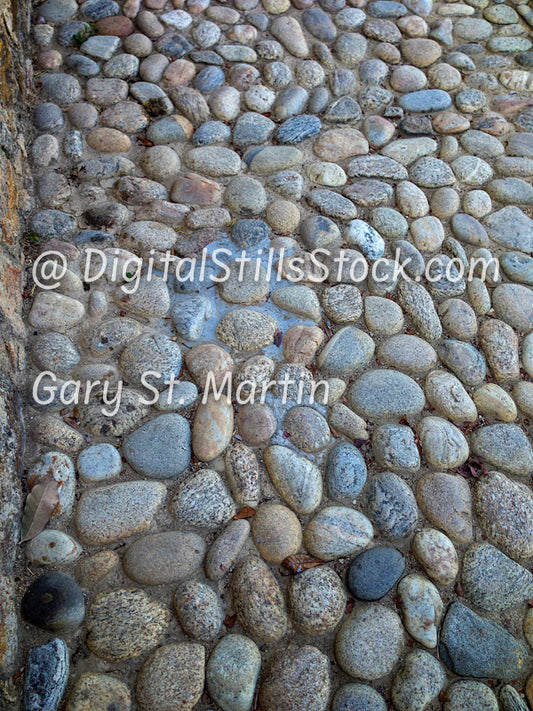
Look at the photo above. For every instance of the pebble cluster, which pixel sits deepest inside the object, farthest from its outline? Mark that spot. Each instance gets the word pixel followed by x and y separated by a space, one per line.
pixel 358 548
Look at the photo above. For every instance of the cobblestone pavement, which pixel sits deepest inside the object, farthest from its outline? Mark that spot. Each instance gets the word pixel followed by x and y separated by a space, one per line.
pixel 321 209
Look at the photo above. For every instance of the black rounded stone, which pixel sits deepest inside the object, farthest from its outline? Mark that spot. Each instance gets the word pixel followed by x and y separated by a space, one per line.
pixel 54 602
pixel 374 572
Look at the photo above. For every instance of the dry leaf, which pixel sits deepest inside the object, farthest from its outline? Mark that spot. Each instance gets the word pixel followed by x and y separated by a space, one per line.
pixel 246 512
pixel 299 562
pixel 40 505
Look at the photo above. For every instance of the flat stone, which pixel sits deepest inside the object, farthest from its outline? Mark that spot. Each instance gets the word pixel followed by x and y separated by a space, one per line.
pixel 163 558
pixel 374 572
pixel 499 656
pixel 504 446
pixel 337 532
pixel 107 514
pixel 492 581
pixel 385 394
pixel 392 505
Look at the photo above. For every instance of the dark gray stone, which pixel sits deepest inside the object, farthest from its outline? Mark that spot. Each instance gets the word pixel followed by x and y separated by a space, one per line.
pixel 374 572
pixel 54 602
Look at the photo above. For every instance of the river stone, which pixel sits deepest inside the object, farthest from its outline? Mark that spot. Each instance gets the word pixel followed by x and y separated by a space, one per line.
pixel 152 358
pixel 374 572
pixel 346 472
pixel 422 609
pixel 471 645
pixel 464 360
pixel 246 330
pixel 54 602
pixel 226 547
pixel 418 304
pixel 418 682
pixel 492 581
pixel 407 353
pixel 297 479
pixel 385 394
pixel 468 695
pixel 232 672
pixel 317 600
pixel 369 643
pixel 391 505
pixel 336 532
pixel 276 532
pixel 147 450
pixel 123 624
pixel 446 502
pixel 298 677
pixel 99 692
pixel 52 547
pixel 349 351
pixel 198 610
pixel 202 500
pixel 505 510
pixel 172 677
pixel 443 445
pixel 107 514
pixel 437 555
pixel 505 446
pixel 162 558
pixel 46 676
pixel 258 602
pixel 394 447
pixel 511 228
pixel 446 394
pixel 358 696
pixel 513 304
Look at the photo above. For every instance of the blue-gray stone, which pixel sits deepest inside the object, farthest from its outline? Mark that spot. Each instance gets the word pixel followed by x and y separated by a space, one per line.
pixel 61 88
pixel 374 572
pixel 333 204
pixel 518 267
pixel 82 65
pixel 209 78
pixel 48 117
pixel 98 9
pixel 54 602
pixel 426 100
pixel 174 46
pixel 189 315
pixel 211 132
pixel 148 449
pixel 471 645
pixel 373 72
pixel 251 129
pixel 343 110
pixel 318 231
pixel 46 676
pixel 386 9
pixel 358 697
pixel 345 472
pixel 72 29
pixel 319 100
pixel 391 505
pixel 287 183
pixel 319 24
pixel 57 11
pixel 249 233
pixel 206 56
pixel 166 130
pixel 298 129
pixel 52 223
pixel 94 237
pixel 343 82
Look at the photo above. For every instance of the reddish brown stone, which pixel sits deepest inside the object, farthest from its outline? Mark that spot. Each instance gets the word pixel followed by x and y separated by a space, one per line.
pixel 117 26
